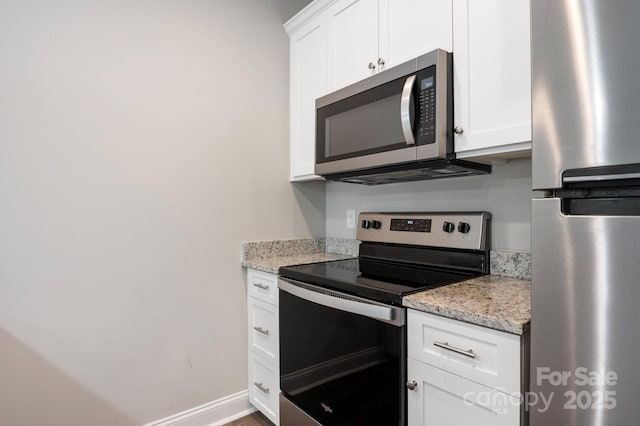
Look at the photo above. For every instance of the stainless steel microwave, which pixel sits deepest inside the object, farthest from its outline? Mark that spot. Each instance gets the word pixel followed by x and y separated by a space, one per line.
pixel 392 127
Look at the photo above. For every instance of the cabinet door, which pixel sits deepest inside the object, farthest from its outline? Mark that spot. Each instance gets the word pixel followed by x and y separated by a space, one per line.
pixel 308 82
pixel 492 75
pixel 263 329
pixel 444 399
pixel 496 361
pixel 409 28
pixel 353 41
pixel 263 286
pixel 264 380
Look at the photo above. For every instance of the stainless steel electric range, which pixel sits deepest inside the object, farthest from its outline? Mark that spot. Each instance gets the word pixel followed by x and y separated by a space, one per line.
pixel 342 324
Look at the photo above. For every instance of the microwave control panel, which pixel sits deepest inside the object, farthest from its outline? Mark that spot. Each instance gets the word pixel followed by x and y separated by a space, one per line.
pixel 426 106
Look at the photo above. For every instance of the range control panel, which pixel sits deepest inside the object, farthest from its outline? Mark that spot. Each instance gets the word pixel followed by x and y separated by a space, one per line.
pixel 411 225
pixel 463 230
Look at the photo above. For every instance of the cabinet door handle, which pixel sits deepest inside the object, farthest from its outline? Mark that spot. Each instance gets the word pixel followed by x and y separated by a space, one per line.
pixel 447 346
pixel 372 66
pixel 412 385
pixel 261 387
pixel 262 286
pixel 458 130
pixel 380 61
pixel 261 330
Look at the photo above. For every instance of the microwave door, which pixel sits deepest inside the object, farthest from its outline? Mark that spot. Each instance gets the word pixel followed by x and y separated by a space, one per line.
pixel 366 130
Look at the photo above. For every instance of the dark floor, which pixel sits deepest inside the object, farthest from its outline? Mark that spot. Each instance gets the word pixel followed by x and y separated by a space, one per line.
pixel 254 419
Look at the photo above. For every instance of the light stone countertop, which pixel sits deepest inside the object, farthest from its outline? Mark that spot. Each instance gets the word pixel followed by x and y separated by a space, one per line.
pixel 500 303
pixel 272 264
pixel 270 255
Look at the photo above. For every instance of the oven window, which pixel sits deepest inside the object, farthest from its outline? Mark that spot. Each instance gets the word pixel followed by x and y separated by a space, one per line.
pixel 339 367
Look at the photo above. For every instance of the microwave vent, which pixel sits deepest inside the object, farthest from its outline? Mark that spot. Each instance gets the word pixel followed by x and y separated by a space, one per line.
pixel 412 172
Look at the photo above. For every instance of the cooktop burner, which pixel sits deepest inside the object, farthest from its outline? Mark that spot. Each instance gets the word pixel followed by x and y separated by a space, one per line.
pixel 346 276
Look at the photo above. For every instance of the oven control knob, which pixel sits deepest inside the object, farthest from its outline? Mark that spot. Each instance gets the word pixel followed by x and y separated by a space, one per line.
pixel 448 227
pixel 376 224
pixel 366 224
pixel 463 227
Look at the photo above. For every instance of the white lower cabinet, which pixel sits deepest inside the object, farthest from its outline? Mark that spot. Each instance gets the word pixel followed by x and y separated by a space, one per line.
pixel 264 386
pixel 263 326
pixel 441 399
pixel 462 374
pixel 263 329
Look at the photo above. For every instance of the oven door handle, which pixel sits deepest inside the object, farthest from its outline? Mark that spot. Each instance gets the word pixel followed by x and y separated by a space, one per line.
pixel 344 302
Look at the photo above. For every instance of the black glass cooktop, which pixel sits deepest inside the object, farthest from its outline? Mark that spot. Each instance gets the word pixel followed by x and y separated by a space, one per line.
pixel 385 282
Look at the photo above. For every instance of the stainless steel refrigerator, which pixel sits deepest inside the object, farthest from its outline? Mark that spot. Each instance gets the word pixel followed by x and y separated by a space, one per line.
pixel 585 331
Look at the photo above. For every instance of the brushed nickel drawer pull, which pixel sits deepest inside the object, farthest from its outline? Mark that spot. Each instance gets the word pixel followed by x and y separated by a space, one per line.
pixel 262 286
pixel 445 345
pixel 261 330
pixel 261 387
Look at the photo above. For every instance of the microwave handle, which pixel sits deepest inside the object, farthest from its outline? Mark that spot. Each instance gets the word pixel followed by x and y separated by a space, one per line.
pixel 405 110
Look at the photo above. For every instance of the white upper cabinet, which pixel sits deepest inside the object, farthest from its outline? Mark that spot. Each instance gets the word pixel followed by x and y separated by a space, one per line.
pixel 308 81
pixel 492 78
pixel 409 28
pixel 353 41
pixel 369 36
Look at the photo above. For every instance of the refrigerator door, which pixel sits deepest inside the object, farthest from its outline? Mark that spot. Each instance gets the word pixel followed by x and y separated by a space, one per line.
pixel 586 96
pixel 585 330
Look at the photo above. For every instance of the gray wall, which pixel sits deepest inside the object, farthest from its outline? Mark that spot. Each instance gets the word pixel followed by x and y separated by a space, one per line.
pixel 506 193
pixel 140 143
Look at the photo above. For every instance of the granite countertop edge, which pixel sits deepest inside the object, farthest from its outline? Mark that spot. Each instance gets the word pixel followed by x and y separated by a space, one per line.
pixel 471 318
pixel 272 264
pixel 496 302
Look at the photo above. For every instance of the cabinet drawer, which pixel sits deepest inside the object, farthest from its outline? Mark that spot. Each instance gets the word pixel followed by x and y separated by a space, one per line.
pixel 486 356
pixel 264 379
pixel 263 286
pixel 263 329
pixel 443 399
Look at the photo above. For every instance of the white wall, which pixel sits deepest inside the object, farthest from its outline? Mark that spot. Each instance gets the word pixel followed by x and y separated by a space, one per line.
pixel 140 143
pixel 506 193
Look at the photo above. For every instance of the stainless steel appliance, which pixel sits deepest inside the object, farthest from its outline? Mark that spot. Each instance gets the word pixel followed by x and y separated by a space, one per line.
pixel 395 126
pixel 343 351
pixel 586 232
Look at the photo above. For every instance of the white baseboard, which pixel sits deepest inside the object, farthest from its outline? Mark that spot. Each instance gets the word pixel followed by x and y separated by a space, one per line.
pixel 214 413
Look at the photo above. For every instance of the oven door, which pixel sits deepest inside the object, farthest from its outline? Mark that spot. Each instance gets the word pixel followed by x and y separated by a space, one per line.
pixel 342 358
